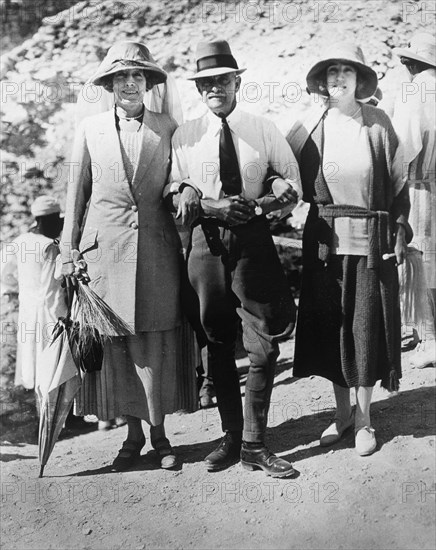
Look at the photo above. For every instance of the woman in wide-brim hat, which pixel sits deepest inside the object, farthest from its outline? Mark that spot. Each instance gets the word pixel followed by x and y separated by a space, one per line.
pixel 116 218
pixel 348 327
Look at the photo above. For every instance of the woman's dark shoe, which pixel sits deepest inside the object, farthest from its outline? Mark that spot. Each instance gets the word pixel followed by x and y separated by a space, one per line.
pixel 206 401
pixel 165 453
pixel 206 394
pixel 128 455
pixel 263 459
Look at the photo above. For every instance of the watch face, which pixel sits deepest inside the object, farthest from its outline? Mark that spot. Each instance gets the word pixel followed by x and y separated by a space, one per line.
pixel 258 210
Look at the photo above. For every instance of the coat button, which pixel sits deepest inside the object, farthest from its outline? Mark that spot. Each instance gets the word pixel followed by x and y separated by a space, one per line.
pixel 135 208
pixel 134 225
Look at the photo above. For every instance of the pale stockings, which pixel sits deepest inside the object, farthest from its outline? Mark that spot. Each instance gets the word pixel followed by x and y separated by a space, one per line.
pixel 363 403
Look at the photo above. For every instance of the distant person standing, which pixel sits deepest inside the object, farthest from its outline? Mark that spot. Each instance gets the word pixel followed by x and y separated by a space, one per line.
pixel 415 123
pixel 27 268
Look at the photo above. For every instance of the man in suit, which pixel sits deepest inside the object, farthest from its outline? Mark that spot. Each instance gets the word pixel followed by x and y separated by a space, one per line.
pixel 220 167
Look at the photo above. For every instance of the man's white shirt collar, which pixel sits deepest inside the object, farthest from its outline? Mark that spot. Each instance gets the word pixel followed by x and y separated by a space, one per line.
pixel 214 122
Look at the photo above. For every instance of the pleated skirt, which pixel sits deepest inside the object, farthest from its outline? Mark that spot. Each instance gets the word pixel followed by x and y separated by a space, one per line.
pixel 157 378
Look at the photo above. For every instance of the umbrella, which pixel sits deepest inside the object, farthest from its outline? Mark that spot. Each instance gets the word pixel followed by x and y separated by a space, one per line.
pixel 58 384
pixel 75 346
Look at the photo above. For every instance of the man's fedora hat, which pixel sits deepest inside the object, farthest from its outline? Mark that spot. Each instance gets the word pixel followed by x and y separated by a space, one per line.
pixel 343 52
pixel 215 58
pixel 422 47
pixel 128 55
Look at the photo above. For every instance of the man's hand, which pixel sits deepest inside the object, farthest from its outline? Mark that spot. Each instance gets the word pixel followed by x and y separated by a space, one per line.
pixel 283 191
pixel 232 210
pixel 189 206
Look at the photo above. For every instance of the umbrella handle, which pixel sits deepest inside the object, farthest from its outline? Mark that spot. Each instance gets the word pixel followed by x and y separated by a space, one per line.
pixel 70 287
pixel 81 266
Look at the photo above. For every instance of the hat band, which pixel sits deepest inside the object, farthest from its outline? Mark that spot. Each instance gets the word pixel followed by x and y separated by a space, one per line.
pixel 127 63
pixel 217 62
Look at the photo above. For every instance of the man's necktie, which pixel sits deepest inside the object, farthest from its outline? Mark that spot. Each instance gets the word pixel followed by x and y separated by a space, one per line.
pixel 229 168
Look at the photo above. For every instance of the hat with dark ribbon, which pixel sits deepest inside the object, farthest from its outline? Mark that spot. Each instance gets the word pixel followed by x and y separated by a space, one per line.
pixel 215 58
pixel 123 56
pixel 346 53
pixel 422 47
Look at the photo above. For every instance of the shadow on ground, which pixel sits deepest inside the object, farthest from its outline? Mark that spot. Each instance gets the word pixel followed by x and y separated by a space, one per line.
pixel 409 413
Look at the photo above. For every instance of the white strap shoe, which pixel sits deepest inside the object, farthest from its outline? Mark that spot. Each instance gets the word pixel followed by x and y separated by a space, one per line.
pixel 365 441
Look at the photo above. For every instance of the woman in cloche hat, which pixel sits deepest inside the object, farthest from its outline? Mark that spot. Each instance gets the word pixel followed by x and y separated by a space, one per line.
pixel 116 219
pixel 348 327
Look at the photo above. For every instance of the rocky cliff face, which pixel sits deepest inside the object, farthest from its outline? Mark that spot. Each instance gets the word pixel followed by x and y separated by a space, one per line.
pixel 276 41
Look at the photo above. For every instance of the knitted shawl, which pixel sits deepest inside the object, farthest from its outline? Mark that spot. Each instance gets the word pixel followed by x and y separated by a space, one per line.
pixel 384 210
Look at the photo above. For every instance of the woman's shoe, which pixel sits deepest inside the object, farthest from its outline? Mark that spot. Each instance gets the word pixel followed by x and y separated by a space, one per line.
pixel 335 431
pixel 165 453
pixel 128 455
pixel 366 442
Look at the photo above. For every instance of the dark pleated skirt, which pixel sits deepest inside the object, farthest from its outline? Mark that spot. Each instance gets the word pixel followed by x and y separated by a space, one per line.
pixel 348 326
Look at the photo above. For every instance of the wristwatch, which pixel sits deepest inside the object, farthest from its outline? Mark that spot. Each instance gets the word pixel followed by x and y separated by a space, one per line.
pixel 258 209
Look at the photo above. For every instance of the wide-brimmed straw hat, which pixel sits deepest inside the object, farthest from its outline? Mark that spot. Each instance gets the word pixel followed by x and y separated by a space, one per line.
pixel 123 56
pixel 343 52
pixel 422 47
pixel 215 58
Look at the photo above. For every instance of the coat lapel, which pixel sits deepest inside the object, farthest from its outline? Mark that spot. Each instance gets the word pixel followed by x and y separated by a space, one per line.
pixel 150 142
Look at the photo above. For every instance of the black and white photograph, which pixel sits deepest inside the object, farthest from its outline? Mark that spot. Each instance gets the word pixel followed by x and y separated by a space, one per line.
pixel 218 274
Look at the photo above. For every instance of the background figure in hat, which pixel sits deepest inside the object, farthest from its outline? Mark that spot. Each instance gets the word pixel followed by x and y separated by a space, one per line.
pixel 28 269
pixel 116 218
pixel 375 99
pixel 415 123
pixel 348 328
pixel 233 274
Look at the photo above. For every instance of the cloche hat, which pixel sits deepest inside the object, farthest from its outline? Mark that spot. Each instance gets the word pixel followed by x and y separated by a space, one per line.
pixel 44 205
pixel 422 47
pixel 343 52
pixel 128 55
pixel 215 58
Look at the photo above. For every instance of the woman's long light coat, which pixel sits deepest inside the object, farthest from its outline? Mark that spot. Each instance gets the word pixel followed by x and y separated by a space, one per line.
pixel 126 235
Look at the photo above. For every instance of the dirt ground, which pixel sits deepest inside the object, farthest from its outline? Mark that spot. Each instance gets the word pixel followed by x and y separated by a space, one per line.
pixel 336 500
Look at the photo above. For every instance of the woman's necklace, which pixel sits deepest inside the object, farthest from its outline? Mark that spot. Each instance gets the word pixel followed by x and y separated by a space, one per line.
pixel 343 118
pixel 129 122
pixel 350 117
pixel 141 114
